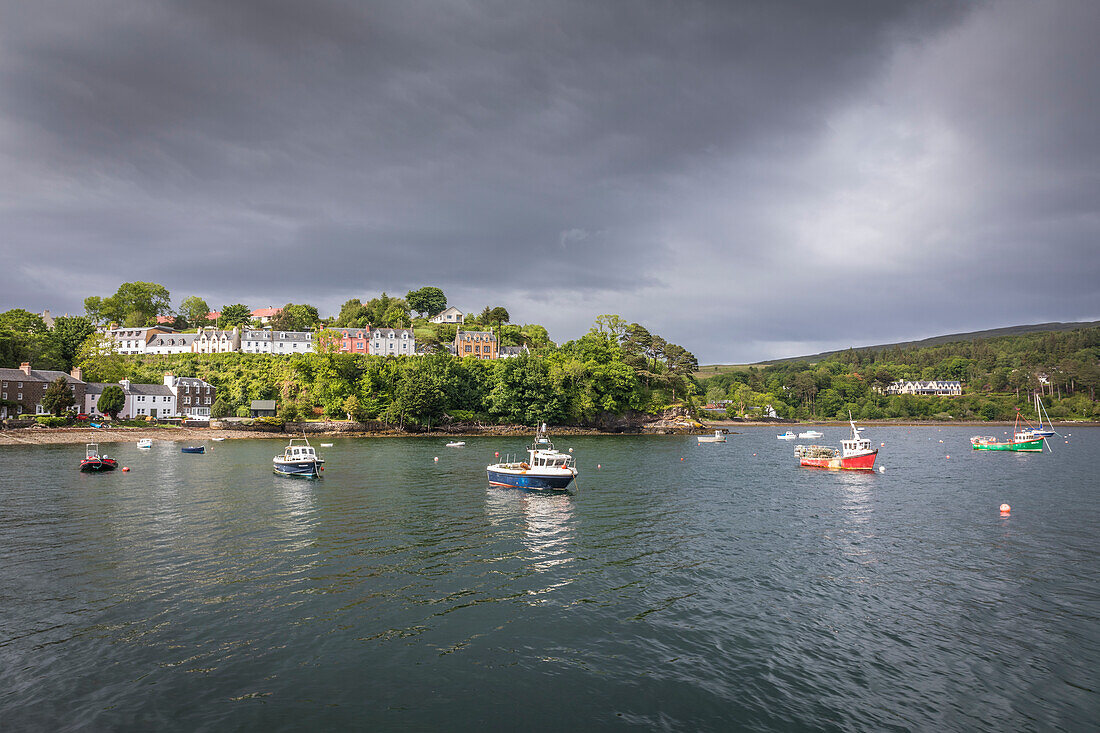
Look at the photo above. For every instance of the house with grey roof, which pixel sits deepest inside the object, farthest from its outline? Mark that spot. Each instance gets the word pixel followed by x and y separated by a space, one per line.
pixel 142 400
pixel 392 342
pixel 193 396
pixel 170 343
pixel 269 341
pixel 22 389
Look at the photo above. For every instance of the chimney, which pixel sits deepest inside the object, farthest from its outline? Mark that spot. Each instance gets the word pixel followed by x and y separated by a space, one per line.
pixel 77 374
pixel 169 379
pixel 26 368
pixel 125 383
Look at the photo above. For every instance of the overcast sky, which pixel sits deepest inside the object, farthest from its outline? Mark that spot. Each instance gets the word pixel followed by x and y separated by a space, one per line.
pixel 749 180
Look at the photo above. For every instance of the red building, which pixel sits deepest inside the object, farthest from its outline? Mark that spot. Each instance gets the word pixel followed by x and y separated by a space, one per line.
pixel 354 341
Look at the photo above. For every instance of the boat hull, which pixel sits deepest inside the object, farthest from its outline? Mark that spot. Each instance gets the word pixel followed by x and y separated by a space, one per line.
pixel 529 480
pixel 1023 446
pixel 96 465
pixel 201 449
pixel 865 462
pixel 305 469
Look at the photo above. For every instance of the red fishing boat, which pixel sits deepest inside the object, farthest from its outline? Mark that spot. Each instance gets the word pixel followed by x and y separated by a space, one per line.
pixel 854 454
pixel 95 462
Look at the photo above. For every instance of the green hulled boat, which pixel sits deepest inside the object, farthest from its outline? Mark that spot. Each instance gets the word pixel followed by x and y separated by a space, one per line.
pixel 1025 440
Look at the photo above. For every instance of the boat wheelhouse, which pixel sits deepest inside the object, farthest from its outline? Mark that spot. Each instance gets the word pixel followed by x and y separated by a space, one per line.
pixel 718 437
pixel 547 469
pixel 789 435
pixel 299 458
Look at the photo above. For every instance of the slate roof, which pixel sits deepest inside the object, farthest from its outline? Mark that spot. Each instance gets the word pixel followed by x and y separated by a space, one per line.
pixel 262 405
pixel 37 375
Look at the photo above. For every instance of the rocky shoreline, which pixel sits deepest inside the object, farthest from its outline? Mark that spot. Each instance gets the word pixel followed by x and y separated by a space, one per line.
pixel 76 435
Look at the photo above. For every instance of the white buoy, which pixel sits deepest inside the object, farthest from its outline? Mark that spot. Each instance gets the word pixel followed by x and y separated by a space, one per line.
pixel 570 450
pixel 437 459
pixel 1005 509
pixel 882 469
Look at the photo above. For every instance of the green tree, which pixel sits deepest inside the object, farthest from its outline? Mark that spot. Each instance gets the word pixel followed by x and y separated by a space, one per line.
pixel 387 312
pixel 99 361
pixel 195 310
pixel 111 401
pixel 220 408
pixel 134 304
pixel 22 321
pixel 67 336
pixel 59 397
pixel 353 315
pixel 353 408
pixel 237 314
pixel 296 317
pixel 427 301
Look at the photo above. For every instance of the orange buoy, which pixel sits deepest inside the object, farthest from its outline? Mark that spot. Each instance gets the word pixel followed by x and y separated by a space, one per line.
pixel 497 454
pixel 125 469
pixel 949 456
pixel 881 445
pixel 1005 509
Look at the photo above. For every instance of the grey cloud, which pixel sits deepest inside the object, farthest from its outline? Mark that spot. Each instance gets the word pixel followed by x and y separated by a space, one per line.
pixel 703 164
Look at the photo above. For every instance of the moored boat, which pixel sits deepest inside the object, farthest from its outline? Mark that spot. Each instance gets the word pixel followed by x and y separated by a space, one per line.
pixel 298 459
pixel 95 462
pixel 718 437
pixel 854 454
pixel 456 444
pixel 145 443
pixel 547 469
pixel 789 435
pixel 193 449
pixel 811 435
pixel 1024 440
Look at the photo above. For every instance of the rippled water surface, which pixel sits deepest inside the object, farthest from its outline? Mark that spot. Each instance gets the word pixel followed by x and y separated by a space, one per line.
pixel 681 587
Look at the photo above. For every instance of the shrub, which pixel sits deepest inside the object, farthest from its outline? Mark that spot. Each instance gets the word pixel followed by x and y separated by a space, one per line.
pixel 269 421
pixel 50 421
pixel 243 411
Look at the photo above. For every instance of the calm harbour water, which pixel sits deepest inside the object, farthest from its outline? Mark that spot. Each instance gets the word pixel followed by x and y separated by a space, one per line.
pixel 728 590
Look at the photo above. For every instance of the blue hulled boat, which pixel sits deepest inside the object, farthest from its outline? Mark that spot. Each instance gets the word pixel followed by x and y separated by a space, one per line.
pixel 298 459
pixel 547 469
pixel 193 449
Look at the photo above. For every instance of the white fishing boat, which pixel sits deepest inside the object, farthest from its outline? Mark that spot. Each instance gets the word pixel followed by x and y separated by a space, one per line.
pixel 718 437
pixel 298 459
pixel 547 469
pixel 811 435
pixel 145 443
pixel 789 435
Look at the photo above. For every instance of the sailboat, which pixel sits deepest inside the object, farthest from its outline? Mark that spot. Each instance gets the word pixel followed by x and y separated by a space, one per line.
pixel 1042 432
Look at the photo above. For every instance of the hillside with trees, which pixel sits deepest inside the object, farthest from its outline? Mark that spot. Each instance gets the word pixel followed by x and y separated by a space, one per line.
pixel 998 375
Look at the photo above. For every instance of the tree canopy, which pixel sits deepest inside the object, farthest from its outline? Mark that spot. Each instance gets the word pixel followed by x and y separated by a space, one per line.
pixel 427 301
pixel 133 304
pixel 237 314
pixel 296 317
pixel 195 310
pixel 111 401
pixel 59 397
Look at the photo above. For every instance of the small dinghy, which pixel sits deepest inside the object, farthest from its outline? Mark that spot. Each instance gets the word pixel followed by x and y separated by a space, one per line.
pixel 217 440
pixel 326 445
pixel 456 444
pixel 193 449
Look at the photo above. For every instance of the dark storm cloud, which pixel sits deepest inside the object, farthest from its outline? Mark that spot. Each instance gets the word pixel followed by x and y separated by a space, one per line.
pixel 710 169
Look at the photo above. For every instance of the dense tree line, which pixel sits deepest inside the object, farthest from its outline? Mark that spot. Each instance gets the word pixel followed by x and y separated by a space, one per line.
pixel 998 375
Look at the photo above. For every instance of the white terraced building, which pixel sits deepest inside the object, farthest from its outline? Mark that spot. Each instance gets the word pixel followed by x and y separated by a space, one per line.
pixel 142 400
pixel 267 341
pixel 133 340
pixel 170 343
pixel 940 388
pixel 392 342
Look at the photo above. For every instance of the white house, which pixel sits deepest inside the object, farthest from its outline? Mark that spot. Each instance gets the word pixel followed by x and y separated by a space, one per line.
pixel 941 388
pixel 170 343
pixel 133 340
pixel 266 341
pixel 392 342
pixel 142 400
pixel 213 341
pixel 451 315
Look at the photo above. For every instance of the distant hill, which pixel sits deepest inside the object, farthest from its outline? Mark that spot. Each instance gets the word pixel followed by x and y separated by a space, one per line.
pixel 711 370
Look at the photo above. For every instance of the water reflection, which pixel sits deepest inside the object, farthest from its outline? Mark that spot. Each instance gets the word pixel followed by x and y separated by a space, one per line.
pixel 295 502
pixel 548 526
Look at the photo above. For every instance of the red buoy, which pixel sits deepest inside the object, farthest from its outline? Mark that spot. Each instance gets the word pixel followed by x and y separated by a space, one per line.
pixel 125 469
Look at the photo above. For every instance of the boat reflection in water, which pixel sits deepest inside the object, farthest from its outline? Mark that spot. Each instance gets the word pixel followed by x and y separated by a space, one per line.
pixel 548 530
